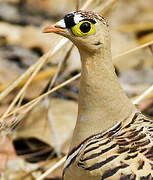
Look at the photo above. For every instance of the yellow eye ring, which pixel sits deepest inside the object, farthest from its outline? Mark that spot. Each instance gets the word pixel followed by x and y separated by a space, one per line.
pixel 83 28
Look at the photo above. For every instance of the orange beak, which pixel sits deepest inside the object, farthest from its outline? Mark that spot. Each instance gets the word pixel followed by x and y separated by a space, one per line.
pixel 52 29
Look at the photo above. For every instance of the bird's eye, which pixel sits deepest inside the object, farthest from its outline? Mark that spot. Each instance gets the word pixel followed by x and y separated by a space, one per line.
pixel 83 28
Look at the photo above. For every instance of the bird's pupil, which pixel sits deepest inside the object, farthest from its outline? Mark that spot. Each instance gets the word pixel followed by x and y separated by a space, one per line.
pixel 85 27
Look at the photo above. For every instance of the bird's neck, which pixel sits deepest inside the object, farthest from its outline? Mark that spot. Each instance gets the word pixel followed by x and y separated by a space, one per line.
pixel 102 101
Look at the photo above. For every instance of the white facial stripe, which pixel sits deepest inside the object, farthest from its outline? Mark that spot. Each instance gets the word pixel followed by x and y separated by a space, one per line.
pixel 77 18
pixel 61 24
pixel 74 154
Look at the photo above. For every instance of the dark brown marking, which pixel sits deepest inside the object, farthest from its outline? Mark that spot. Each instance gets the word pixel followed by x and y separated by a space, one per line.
pixel 149 154
pixel 148 177
pixel 125 177
pixel 132 177
pixel 134 134
pixel 96 147
pixel 91 143
pixel 122 150
pixel 128 176
pixel 80 164
pixel 114 130
pixel 120 135
pixel 99 153
pixel 150 151
pixel 75 148
pixel 111 172
pixel 146 120
pixel 141 164
pixel 131 157
pixel 133 119
pixel 139 137
pixel 122 142
pixel 143 150
pixel 133 149
pixel 142 143
pixel 151 166
pixel 102 163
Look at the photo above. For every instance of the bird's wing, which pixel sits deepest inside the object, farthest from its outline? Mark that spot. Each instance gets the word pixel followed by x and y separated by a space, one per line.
pixel 125 152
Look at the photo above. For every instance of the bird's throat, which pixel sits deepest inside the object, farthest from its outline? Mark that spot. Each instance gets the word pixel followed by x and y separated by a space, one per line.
pixel 102 101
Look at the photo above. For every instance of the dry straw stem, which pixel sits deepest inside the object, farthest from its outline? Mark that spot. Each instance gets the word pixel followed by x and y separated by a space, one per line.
pixel 44 95
pixel 50 170
pixel 87 3
pixel 49 113
pixel 34 70
pixel 106 6
pixel 18 81
pixel 37 67
pixel 144 95
pixel 23 89
pixel 74 78
pixel 49 72
pixel 77 4
pixel 31 69
pixel 133 50
pixel 135 27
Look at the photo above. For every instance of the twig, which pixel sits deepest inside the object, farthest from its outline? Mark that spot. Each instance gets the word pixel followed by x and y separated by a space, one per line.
pixel 19 80
pixel 46 101
pixel 45 94
pixel 50 170
pixel 6 126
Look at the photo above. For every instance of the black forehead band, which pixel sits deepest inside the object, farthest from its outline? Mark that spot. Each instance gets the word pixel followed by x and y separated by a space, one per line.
pixel 69 20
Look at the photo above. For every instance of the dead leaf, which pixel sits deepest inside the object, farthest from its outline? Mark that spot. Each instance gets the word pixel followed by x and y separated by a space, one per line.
pixel 63 113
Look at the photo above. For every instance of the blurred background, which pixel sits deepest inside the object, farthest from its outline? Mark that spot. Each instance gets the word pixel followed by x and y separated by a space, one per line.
pixel 37 135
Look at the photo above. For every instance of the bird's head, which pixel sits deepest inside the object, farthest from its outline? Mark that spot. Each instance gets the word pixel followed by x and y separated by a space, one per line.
pixel 87 30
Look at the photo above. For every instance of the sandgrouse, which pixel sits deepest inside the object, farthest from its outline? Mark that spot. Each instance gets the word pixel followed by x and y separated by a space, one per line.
pixel 112 140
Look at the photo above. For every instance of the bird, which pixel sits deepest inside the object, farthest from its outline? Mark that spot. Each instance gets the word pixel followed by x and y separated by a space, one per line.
pixel 112 139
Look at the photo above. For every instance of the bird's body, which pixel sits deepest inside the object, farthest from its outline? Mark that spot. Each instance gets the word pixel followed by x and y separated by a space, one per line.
pixel 112 139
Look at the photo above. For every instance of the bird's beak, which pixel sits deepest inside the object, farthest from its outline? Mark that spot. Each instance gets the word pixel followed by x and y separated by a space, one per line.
pixel 53 29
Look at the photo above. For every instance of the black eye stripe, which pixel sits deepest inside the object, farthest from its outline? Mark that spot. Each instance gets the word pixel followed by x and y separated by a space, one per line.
pixel 69 20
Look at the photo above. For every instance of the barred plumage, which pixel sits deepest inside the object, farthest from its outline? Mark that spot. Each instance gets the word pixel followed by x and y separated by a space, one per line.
pixel 124 152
